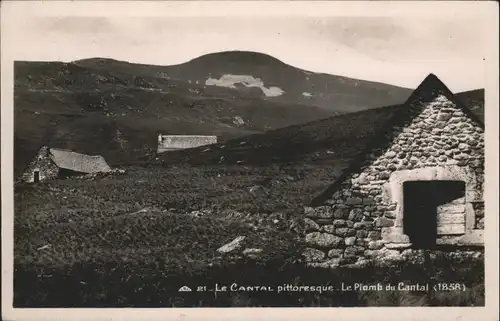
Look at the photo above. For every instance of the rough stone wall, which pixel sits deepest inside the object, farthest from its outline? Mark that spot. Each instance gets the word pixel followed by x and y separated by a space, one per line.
pixel 360 221
pixel 43 163
pixel 479 218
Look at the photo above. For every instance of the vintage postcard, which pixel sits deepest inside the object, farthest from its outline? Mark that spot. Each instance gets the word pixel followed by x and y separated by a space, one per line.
pixel 246 160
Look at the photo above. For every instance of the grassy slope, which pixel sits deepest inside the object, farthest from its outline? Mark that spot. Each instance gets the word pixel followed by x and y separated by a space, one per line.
pixel 253 186
pixel 330 92
pixel 125 106
pixel 96 235
pixel 101 230
pixel 135 119
pixel 474 99
pixel 103 252
pixel 69 106
pixel 72 107
pixel 140 284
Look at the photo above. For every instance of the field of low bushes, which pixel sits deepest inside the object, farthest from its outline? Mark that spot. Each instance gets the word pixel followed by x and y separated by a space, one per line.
pixel 134 239
pixel 253 192
pixel 155 284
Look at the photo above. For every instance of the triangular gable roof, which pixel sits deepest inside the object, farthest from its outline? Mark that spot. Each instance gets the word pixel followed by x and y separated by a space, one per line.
pixel 78 162
pixel 429 89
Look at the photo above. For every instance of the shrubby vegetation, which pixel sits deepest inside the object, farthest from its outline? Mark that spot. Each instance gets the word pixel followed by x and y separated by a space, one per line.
pixel 134 239
pixel 251 192
pixel 129 240
pixel 156 283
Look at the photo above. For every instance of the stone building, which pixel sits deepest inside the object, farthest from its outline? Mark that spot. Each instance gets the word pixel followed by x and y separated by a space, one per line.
pixel 51 163
pixel 417 184
pixel 175 142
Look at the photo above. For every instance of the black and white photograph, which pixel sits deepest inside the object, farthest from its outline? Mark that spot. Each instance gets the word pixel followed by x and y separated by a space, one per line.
pixel 177 155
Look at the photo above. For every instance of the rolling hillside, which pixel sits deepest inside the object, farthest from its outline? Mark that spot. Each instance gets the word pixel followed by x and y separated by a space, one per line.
pixel 251 74
pixel 124 106
pixel 127 123
pixel 156 227
pixel 474 99
pixel 334 139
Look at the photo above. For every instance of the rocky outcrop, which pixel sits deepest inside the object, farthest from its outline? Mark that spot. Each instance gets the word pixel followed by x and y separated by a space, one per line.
pixel 231 246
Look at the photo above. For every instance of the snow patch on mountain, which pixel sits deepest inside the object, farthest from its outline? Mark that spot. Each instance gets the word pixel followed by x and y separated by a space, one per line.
pixel 229 81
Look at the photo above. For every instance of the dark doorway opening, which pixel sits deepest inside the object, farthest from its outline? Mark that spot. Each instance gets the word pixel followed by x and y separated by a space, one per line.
pixel 421 201
pixel 36 176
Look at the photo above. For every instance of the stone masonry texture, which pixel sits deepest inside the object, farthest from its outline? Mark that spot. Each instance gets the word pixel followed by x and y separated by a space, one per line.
pixel 41 163
pixel 358 221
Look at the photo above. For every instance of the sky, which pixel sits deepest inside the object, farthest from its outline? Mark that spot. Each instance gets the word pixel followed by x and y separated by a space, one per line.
pixel 397 49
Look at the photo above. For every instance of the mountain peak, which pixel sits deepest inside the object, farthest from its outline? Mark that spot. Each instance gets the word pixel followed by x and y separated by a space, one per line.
pixel 96 60
pixel 239 56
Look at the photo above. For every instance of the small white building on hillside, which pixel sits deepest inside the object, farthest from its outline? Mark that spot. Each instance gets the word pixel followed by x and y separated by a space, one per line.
pixel 175 142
